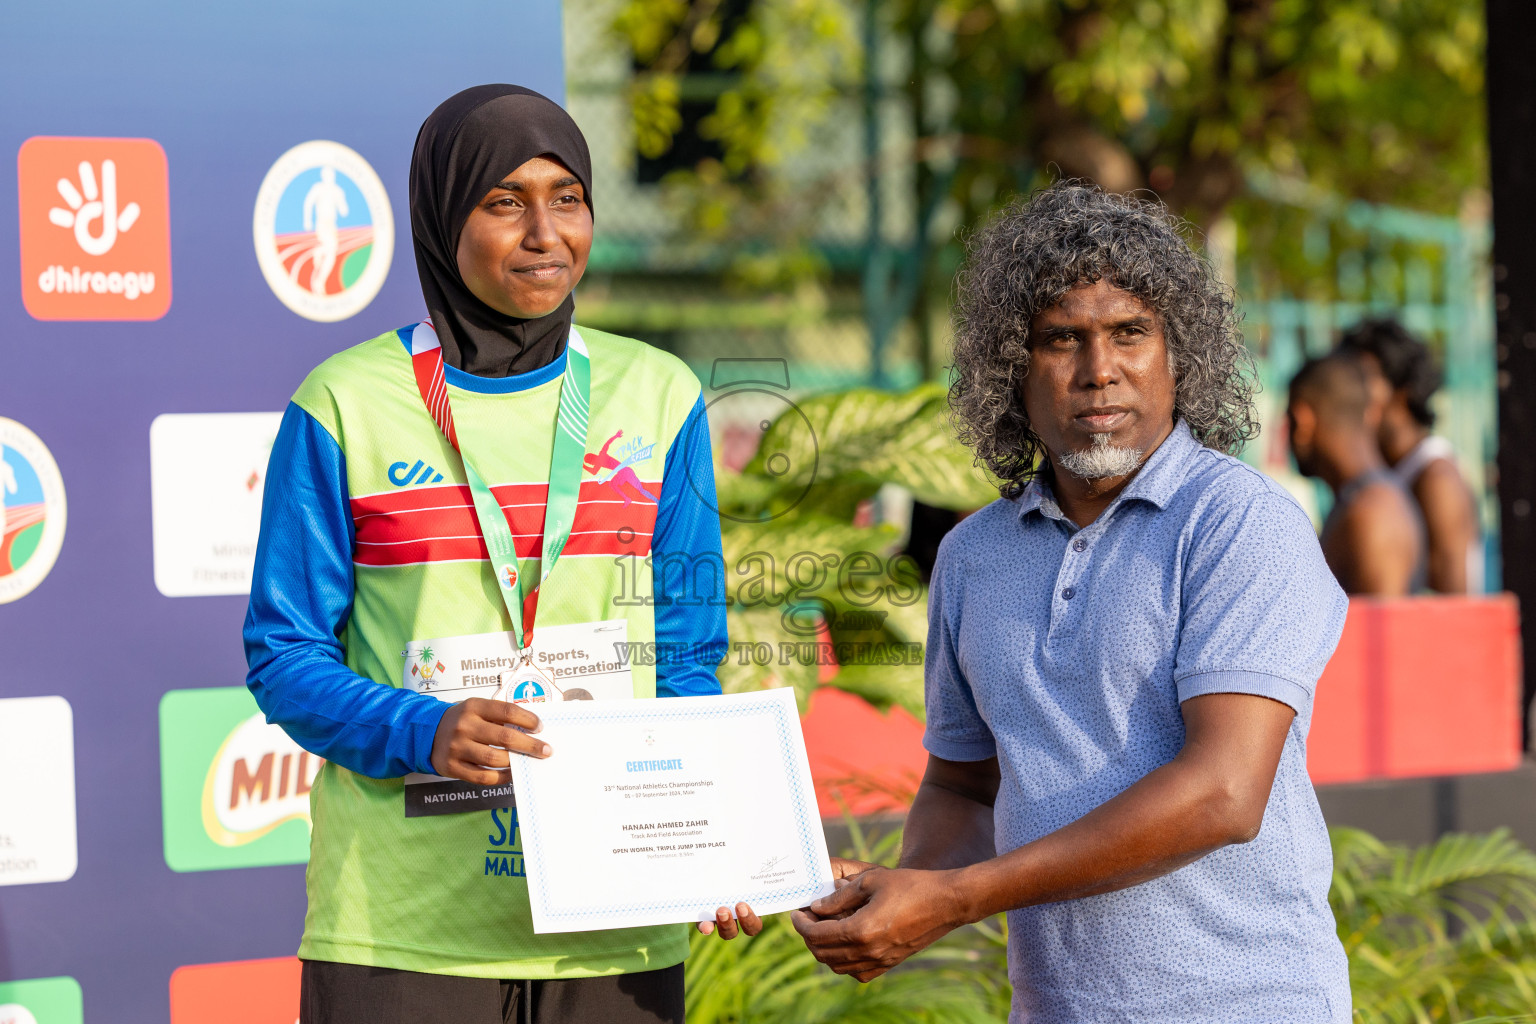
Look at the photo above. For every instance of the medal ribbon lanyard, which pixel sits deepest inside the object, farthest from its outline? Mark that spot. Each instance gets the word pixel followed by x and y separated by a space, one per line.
pixel 565 469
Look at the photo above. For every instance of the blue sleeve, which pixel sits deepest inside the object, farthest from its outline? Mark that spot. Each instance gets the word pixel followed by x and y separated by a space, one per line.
pixel 688 567
pixel 954 728
pixel 1261 613
pixel 301 599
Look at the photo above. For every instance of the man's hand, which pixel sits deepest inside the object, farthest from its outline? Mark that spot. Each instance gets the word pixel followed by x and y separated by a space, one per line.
pixel 470 733
pixel 726 924
pixel 745 921
pixel 844 869
pixel 847 867
pixel 878 918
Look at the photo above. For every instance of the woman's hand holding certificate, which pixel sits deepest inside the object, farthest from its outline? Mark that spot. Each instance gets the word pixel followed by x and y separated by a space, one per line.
pixel 476 738
pixel 659 811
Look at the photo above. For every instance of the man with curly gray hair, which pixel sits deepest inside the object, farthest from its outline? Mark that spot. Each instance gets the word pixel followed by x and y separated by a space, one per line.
pixel 1122 654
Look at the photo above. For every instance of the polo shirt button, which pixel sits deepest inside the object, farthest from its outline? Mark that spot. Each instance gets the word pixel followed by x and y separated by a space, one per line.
pixel 1069 593
pixel 1079 545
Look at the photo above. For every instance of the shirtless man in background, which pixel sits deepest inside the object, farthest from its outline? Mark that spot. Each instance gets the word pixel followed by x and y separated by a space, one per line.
pixel 1401 375
pixel 1373 538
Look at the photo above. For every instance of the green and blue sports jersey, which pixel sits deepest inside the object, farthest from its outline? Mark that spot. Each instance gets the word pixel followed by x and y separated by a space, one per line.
pixel 368 541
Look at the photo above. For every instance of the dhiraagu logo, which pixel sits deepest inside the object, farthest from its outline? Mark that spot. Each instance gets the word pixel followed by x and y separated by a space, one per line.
pixel 95 228
pixel 234 790
pixel 41 1001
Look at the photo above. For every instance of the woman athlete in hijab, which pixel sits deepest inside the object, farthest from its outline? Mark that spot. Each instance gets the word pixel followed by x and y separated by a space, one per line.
pixel 418 907
pixel 498 281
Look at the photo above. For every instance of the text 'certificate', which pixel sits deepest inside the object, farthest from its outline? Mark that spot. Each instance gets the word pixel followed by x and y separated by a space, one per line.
pixel 658 811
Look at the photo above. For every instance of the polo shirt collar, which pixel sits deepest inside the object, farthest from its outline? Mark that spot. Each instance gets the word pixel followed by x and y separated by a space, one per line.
pixel 1156 482
pixel 1164 470
pixel 1037 497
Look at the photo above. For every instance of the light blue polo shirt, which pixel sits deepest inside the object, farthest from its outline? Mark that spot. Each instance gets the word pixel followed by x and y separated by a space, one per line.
pixel 1067 652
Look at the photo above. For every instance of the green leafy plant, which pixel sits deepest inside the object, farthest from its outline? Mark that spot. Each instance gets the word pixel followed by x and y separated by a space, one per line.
pixel 773 979
pixel 1444 932
pixel 803 572
pixel 849 443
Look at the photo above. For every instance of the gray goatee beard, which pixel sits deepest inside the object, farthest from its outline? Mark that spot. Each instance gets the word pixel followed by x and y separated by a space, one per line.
pixel 1101 460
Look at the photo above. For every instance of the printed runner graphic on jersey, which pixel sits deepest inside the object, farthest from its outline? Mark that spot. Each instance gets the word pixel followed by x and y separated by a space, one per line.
pixel 616 474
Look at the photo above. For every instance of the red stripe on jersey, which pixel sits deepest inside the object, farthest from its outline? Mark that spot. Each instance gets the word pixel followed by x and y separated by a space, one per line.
pixel 463 549
pixel 508 494
pixel 437 524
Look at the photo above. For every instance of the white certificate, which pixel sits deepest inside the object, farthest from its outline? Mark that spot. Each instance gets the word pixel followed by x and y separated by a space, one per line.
pixel 658 811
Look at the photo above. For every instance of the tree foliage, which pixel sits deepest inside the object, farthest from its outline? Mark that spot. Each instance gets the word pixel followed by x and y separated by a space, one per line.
pixel 1376 99
pixel 779 68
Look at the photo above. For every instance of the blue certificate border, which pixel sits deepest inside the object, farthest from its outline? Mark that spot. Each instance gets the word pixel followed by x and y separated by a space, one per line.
pixel 642 710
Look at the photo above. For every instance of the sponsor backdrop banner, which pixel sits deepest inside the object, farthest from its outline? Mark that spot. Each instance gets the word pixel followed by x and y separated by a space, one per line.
pixel 200 203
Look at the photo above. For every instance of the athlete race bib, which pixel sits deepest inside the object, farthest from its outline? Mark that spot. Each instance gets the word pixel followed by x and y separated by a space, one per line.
pixel 585 661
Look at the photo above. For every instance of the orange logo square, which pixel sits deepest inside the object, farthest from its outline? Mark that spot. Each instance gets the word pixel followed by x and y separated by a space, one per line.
pixel 240 992
pixel 95 228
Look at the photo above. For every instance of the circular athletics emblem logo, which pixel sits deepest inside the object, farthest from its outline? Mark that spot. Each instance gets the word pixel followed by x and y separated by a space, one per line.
pixel 528 691
pixel 32 511
pixel 508 576
pixel 324 231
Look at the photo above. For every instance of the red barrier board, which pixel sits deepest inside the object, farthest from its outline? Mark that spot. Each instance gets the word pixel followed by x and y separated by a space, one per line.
pixel 1419 686
pixel 240 992
pixel 870 760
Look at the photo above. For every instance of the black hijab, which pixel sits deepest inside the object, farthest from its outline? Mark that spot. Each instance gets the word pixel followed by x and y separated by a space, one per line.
pixel 467 145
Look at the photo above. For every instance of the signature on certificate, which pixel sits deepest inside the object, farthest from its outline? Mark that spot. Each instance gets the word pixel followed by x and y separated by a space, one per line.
pixel 772 862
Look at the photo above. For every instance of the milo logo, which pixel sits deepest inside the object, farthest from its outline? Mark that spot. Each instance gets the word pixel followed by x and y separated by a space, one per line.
pixel 259 779
pixel 234 790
